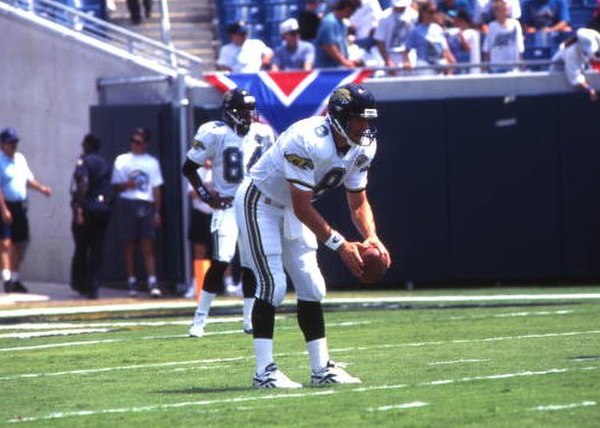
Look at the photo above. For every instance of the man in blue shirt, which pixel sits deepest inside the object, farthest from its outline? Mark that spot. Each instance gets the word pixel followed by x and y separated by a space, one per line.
pixel 331 46
pixel 293 54
pixel 15 178
pixel 546 15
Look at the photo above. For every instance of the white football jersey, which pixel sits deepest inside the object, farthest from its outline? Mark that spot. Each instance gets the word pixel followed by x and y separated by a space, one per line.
pixel 231 155
pixel 306 156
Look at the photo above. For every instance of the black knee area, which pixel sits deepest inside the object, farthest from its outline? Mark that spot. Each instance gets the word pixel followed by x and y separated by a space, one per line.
pixel 263 319
pixel 213 281
pixel 248 283
pixel 310 320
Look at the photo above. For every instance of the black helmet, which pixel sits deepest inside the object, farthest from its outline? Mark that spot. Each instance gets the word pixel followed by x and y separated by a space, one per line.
pixel 352 100
pixel 239 110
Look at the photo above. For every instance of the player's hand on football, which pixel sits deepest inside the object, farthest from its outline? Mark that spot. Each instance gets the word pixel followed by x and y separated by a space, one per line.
pixel 373 241
pixel 350 254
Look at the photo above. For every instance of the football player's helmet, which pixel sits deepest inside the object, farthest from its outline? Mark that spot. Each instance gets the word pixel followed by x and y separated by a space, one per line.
pixel 239 110
pixel 352 100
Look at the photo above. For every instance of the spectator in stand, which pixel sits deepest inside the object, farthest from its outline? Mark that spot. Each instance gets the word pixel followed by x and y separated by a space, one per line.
pixel 309 20
pixel 293 54
pixel 464 41
pixel 138 180
pixel 364 20
pixel 575 54
pixel 483 12
pixel 243 55
pixel 545 16
pixel 394 26
pixel 15 179
pixel 428 40
pixel 504 41
pixel 331 43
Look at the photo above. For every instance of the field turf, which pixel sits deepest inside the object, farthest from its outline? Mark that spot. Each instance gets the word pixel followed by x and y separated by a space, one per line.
pixel 496 363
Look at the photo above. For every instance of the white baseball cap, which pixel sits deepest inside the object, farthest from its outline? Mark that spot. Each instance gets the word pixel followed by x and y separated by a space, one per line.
pixel 401 3
pixel 288 25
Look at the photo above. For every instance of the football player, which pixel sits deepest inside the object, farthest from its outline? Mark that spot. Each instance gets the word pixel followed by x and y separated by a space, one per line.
pixel 279 226
pixel 232 145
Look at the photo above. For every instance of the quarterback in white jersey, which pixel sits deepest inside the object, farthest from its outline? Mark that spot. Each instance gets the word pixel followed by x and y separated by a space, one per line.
pixel 232 145
pixel 280 227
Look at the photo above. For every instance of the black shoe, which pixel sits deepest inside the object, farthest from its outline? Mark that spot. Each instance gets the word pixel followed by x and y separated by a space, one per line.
pixel 18 287
pixel 8 287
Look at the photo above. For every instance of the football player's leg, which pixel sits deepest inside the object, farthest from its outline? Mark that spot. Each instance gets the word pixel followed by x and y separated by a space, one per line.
pixel 300 261
pixel 224 241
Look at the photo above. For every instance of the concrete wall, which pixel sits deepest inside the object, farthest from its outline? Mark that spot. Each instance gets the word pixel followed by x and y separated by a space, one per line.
pixel 47 84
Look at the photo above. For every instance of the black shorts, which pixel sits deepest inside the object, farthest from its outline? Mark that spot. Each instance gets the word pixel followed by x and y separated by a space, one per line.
pixel 199 232
pixel 18 231
pixel 135 219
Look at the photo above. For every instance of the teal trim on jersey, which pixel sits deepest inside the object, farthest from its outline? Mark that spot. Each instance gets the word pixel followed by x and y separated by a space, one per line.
pixel 266 283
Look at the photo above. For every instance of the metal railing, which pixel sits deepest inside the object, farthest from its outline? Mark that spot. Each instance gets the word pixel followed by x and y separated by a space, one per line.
pixel 83 25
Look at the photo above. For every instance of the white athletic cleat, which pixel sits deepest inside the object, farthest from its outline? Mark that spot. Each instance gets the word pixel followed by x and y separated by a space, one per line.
pixel 332 373
pixel 248 329
pixel 155 292
pixel 132 293
pixel 272 377
pixel 196 331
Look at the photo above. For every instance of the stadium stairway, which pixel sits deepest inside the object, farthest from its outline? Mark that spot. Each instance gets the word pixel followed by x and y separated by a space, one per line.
pixel 193 26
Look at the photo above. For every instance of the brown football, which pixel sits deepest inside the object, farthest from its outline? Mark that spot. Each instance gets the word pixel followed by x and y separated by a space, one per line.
pixel 374 265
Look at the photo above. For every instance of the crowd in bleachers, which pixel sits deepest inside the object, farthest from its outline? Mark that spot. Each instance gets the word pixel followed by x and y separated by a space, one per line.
pixel 424 36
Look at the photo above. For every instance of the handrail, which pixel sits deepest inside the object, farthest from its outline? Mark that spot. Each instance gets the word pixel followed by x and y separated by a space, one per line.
pixel 110 34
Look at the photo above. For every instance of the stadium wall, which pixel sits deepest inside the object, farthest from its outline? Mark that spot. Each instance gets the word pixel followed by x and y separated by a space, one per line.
pixel 48 82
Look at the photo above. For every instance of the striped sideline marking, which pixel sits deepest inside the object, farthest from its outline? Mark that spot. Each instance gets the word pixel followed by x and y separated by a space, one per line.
pixel 551 407
pixel 62 415
pixel 217 360
pixel 12 313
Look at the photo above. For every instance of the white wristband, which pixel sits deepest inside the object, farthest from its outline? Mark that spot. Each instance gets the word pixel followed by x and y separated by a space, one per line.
pixel 334 241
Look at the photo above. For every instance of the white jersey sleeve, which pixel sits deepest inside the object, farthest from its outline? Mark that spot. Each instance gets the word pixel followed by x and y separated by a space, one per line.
pixel 206 141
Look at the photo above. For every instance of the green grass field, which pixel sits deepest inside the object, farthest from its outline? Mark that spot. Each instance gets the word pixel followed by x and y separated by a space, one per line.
pixel 509 365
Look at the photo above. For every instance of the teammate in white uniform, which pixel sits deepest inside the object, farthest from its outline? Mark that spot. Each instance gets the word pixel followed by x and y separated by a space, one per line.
pixel 279 226
pixel 232 145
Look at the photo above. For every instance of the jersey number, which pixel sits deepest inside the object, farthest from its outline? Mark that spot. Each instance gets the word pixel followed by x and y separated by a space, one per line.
pixel 331 180
pixel 233 165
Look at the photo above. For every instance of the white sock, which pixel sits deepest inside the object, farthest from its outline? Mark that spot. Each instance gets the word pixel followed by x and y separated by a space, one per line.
pixel 248 305
pixel 318 353
pixel 15 276
pixel 131 281
pixel 263 352
pixel 152 281
pixel 203 309
pixel 6 275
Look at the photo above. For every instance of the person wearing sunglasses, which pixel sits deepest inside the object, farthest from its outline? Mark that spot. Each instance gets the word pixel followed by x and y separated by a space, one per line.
pixel 138 180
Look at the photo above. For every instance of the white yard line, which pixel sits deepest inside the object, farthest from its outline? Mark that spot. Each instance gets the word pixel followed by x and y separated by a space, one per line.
pixel 333 350
pixel 460 361
pixel 550 407
pixel 514 314
pixel 81 309
pixel 62 415
pixel 411 405
pixel 150 408
pixel 47 333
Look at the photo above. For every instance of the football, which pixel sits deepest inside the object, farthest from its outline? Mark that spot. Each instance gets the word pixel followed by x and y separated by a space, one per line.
pixel 374 265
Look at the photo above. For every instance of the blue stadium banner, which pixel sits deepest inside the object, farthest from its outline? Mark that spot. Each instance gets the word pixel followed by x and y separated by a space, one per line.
pixel 284 97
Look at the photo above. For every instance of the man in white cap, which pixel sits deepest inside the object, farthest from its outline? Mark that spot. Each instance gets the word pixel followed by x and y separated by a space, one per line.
pixel 293 53
pixel 392 31
pixel 575 53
